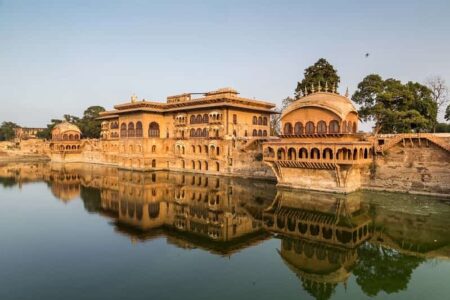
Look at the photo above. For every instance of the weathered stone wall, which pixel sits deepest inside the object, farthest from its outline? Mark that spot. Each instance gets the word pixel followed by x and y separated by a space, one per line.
pixel 411 168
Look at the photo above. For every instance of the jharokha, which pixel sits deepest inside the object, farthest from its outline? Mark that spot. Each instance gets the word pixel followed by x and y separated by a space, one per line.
pixel 220 132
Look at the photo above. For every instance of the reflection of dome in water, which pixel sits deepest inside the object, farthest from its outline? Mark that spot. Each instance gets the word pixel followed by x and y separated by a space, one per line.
pixel 65 191
pixel 319 267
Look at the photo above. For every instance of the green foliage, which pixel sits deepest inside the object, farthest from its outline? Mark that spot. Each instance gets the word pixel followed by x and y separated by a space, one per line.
pixel 7 131
pixel 89 126
pixel 47 132
pixel 322 71
pixel 442 127
pixel 383 269
pixel 395 107
pixel 447 113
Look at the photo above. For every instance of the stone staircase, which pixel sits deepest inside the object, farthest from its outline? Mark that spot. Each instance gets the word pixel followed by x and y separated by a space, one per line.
pixel 440 142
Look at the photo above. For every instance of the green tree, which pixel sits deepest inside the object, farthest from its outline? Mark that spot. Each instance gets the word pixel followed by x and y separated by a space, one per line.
pixel 47 132
pixel 395 107
pixel 447 113
pixel 322 71
pixel 89 125
pixel 7 131
pixel 383 269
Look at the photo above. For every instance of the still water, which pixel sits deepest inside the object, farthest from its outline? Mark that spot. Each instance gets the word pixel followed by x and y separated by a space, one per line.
pixel 90 232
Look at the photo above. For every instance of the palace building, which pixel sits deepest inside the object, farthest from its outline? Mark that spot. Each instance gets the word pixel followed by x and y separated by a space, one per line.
pixel 319 147
pixel 218 132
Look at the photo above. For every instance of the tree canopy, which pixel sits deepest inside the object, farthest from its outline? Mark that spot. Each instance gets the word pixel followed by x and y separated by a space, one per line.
pixel 395 107
pixel 89 126
pixel 322 71
pixel 7 131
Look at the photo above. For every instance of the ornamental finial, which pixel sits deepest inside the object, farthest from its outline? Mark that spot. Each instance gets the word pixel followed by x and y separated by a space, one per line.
pixel 319 87
pixel 346 92
pixel 312 88
pixel 326 86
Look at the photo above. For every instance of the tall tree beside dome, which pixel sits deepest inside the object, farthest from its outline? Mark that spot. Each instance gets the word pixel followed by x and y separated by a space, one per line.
pixel 395 107
pixel 322 71
pixel 89 125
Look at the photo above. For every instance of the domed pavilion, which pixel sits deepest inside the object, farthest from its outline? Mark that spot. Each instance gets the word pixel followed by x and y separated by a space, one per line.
pixel 319 146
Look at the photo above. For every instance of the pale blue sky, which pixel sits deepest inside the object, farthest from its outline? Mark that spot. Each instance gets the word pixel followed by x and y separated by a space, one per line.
pixel 60 57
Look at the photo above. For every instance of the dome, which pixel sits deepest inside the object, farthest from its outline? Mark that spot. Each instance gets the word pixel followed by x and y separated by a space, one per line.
pixel 339 105
pixel 65 126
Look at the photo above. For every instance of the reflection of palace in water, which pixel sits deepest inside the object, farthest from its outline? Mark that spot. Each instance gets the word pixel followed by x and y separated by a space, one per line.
pixel 215 208
pixel 324 238
pixel 319 235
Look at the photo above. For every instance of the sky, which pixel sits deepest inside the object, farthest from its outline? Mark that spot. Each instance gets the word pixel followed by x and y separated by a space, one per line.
pixel 60 57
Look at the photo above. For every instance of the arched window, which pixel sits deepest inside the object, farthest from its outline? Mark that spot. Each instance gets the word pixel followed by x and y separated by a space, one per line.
pixel 217 166
pixel 281 154
pixel 65 137
pixel 192 132
pixel 298 128
pixel 206 166
pixel 264 132
pixel 292 154
pixel 321 127
pixel 77 137
pixel 153 148
pixel 138 129
pixel 255 133
pixel 309 128
pixel 354 127
pixel 327 153
pixel 303 153
pixel 153 163
pixel 153 129
pixel 205 118
pixel 199 119
pixel 131 132
pixel 260 132
pixel 198 133
pixel 265 121
pixel 192 119
pixel 334 126
pixel 193 165
pixel 349 126
pixel 315 153
pixel 287 129
pixel 259 120
pixel 70 137
pixel 205 132
pixel 255 120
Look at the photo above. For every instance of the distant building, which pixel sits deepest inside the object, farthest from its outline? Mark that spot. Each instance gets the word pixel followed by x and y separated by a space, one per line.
pixel 25 133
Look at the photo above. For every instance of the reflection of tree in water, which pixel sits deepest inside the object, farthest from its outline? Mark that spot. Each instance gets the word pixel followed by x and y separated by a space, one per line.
pixel 383 269
pixel 91 199
pixel 8 181
pixel 320 291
